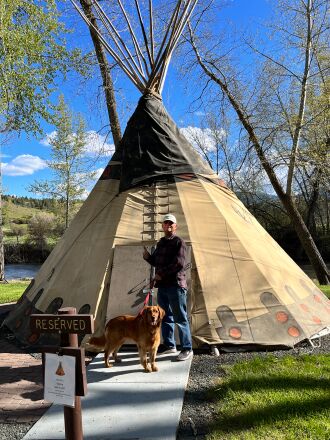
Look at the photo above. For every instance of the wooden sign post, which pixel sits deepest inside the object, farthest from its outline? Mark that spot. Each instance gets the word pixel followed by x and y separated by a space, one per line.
pixel 68 324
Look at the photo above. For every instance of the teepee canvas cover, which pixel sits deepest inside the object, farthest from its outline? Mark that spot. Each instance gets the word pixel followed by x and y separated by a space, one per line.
pixel 243 288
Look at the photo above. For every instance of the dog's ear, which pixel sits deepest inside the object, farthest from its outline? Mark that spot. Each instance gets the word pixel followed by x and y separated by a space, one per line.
pixel 161 312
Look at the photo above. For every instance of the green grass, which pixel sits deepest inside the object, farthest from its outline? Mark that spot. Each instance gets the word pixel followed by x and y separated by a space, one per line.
pixel 11 292
pixel 325 290
pixel 270 398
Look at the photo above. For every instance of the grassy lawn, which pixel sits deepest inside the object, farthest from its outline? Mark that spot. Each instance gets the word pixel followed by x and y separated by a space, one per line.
pixel 11 292
pixel 270 398
pixel 325 290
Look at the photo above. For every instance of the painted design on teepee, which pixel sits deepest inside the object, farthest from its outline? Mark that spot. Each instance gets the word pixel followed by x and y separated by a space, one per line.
pixel 54 305
pixel 276 325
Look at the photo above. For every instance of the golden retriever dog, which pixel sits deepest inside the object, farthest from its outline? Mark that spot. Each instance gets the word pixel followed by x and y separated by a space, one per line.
pixel 143 329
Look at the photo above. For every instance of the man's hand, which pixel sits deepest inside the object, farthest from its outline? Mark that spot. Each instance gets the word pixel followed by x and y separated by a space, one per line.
pixel 146 254
pixel 157 277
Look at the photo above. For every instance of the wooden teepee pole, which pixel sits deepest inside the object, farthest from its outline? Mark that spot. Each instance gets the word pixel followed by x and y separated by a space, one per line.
pixel 151 25
pixel 183 25
pixel 135 42
pixel 175 35
pixel 112 30
pixel 146 42
pixel 152 77
pixel 135 79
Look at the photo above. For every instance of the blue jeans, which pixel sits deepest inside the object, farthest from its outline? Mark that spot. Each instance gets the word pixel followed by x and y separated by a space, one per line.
pixel 174 301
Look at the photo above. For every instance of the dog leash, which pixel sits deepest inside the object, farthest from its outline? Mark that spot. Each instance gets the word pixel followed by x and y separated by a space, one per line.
pixel 146 299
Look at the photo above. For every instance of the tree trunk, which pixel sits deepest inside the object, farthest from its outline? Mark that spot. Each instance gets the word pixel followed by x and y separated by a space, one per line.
pixel 307 241
pixel 106 74
pixel 2 254
pixel 312 204
pixel 67 207
pixel 303 233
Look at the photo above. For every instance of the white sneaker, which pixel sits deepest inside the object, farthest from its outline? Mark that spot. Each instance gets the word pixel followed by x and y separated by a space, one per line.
pixel 185 355
pixel 168 350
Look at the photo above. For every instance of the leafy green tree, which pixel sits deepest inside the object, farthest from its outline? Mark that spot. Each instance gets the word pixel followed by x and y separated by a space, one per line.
pixel 17 231
pixel 40 227
pixel 33 56
pixel 69 163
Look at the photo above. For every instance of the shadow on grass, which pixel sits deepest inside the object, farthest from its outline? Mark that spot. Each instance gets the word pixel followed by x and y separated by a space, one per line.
pixel 298 395
pixel 273 413
pixel 278 383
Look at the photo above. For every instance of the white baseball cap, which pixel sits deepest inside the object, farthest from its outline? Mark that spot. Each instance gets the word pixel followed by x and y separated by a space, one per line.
pixel 169 217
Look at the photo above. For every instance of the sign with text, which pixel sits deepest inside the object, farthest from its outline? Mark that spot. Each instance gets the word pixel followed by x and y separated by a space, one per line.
pixel 79 354
pixel 62 323
pixel 60 375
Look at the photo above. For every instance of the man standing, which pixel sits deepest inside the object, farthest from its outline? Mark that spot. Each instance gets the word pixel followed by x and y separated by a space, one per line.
pixel 169 259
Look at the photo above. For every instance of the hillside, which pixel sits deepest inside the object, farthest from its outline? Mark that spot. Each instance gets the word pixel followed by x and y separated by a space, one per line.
pixel 16 214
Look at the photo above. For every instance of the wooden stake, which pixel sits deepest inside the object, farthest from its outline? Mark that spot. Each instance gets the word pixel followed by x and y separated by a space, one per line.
pixel 72 416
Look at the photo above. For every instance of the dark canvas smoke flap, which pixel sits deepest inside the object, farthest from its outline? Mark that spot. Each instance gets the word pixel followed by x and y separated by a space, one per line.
pixel 153 147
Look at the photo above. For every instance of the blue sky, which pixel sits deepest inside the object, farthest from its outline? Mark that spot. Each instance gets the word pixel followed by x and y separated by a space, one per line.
pixel 23 158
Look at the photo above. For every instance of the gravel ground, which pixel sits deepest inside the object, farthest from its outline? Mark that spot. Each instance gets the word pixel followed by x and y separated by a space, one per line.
pixel 14 431
pixel 197 413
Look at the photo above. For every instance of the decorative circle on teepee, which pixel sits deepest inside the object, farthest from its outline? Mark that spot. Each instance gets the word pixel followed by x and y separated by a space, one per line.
pixel 28 311
pixel 294 332
pixel 235 332
pixel 317 320
pixel 282 317
pixel 33 338
pixel 317 298
pixel 304 307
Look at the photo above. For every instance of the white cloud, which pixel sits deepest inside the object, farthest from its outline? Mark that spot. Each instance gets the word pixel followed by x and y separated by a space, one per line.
pixel 203 137
pixel 199 113
pixel 96 144
pixel 48 138
pixel 23 165
pixel 98 172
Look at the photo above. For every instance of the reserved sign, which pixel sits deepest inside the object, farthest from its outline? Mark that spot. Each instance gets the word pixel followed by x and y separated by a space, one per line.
pixel 62 323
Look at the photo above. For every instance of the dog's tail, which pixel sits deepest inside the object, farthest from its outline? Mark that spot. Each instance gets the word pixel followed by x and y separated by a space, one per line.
pixel 97 341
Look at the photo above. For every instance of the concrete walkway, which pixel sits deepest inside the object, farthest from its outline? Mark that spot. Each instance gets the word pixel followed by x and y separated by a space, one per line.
pixel 124 402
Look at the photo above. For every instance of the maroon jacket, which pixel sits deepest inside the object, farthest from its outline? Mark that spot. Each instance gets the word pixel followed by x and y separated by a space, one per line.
pixel 169 259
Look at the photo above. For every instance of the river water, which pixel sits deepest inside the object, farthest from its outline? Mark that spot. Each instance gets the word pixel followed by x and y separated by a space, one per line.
pixel 19 271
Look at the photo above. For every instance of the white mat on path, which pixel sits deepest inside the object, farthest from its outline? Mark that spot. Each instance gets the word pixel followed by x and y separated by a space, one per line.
pixel 124 402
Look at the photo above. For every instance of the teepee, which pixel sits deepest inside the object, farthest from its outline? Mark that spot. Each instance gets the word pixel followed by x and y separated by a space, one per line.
pixel 243 288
